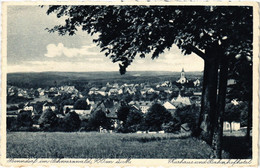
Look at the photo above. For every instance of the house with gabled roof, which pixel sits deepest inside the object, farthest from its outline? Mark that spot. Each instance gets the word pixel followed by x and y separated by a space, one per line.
pixel 28 107
pixel 129 91
pixel 93 91
pixel 112 91
pixel 181 100
pixel 110 107
pixel 196 82
pixel 142 105
pixel 102 91
pixel 170 107
pixel 48 105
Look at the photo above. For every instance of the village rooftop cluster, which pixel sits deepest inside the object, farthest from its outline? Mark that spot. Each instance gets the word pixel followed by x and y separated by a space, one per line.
pixel 108 98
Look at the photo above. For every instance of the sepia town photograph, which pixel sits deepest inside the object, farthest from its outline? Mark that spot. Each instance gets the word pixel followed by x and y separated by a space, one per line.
pixel 129 81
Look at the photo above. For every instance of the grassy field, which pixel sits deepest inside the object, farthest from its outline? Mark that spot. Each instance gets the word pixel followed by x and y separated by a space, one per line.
pixel 103 145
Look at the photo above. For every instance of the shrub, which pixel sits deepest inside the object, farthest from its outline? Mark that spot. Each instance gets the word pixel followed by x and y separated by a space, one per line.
pixel 11 123
pixel 98 119
pixel 122 113
pixel 134 117
pixel 48 120
pixel 71 121
pixel 156 116
pixel 12 108
pixel 81 104
pixel 171 127
pixel 189 115
pixel 24 119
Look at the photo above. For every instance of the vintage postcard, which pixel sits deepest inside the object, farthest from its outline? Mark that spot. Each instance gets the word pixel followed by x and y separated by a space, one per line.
pixel 119 84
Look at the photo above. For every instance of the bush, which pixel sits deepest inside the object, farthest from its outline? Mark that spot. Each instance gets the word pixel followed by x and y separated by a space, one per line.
pixel 122 113
pixel 81 104
pixel 24 119
pixel 171 127
pixel 98 119
pixel 189 115
pixel 11 108
pixel 156 116
pixel 71 121
pixel 11 123
pixel 134 118
pixel 36 118
pixel 48 120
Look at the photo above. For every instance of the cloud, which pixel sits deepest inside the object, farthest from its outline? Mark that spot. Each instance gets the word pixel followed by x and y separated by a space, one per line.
pixel 60 50
pixel 169 61
pixel 54 51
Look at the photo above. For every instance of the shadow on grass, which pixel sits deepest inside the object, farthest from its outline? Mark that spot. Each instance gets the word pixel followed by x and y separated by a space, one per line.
pixel 237 147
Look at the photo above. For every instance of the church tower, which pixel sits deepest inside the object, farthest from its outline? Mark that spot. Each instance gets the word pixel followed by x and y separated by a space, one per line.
pixel 182 73
pixel 182 79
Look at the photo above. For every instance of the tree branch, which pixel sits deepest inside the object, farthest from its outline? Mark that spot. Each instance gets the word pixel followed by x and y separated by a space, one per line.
pixel 197 51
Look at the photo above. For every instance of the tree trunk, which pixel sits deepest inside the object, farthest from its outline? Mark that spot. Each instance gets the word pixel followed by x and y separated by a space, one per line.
pixel 249 120
pixel 221 102
pixel 208 101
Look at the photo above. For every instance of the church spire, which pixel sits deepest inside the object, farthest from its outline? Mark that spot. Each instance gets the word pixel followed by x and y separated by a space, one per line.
pixel 182 79
pixel 182 73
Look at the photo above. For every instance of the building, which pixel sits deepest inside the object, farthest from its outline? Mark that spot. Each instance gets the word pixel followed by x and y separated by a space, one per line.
pixel 181 100
pixel 93 90
pixel 197 93
pixel 182 79
pixel 48 105
pixel 231 82
pixel 142 105
pixel 196 82
pixel 82 112
pixel 129 91
pixel 102 91
pixel 69 107
pixel 28 107
pixel 233 126
pixel 112 92
pixel 170 107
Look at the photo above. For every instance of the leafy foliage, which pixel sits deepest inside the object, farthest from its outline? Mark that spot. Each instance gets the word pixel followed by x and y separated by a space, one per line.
pixel 38 107
pixel 127 31
pixel 123 112
pixel 156 116
pixel 232 113
pixel 134 117
pixel 172 126
pixel 132 121
pixel 241 71
pixel 48 120
pixel 13 107
pixel 189 115
pixel 98 119
pixel 81 104
pixel 24 119
pixel 72 121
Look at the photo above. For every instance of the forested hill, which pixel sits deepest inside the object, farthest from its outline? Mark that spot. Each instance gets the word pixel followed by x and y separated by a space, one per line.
pixel 46 79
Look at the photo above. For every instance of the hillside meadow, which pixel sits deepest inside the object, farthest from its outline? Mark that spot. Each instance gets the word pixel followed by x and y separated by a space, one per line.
pixel 104 145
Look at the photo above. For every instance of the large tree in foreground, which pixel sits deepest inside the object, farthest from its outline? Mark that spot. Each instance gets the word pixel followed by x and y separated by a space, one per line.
pixel 216 34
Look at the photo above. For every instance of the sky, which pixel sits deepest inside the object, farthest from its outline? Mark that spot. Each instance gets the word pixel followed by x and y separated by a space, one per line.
pixel 31 48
